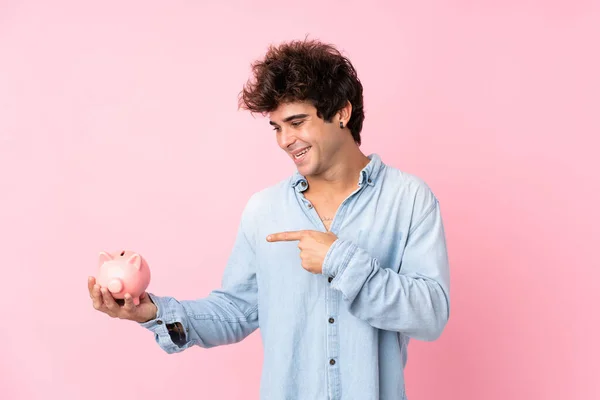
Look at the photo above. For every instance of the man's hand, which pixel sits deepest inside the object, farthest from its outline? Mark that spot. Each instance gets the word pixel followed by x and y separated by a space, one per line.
pixel 103 301
pixel 313 246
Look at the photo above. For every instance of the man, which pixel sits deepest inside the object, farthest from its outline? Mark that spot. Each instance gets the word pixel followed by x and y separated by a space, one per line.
pixel 339 265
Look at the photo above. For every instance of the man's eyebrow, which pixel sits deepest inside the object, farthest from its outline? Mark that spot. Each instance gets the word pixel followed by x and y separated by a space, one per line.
pixel 291 117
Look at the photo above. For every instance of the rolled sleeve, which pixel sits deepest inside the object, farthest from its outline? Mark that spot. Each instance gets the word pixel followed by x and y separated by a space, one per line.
pixel 337 258
pixel 164 315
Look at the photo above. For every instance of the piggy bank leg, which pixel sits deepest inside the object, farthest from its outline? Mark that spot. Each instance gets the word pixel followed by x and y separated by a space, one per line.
pixel 136 301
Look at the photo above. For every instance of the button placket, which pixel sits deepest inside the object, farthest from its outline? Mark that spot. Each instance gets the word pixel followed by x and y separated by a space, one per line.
pixel 332 300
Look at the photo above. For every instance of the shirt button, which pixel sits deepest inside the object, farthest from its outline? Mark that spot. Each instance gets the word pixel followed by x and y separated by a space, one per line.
pixel 159 322
pixel 332 362
pixel 309 205
pixel 370 181
pixel 331 320
pixel 329 279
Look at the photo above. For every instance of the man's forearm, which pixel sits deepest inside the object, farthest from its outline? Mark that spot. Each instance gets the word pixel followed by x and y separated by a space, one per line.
pixel 208 322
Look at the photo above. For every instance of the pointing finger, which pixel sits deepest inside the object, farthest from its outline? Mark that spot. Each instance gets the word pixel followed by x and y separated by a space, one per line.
pixel 285 236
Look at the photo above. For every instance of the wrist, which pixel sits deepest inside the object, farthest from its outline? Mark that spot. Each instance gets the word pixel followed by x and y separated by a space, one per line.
pixel 153 314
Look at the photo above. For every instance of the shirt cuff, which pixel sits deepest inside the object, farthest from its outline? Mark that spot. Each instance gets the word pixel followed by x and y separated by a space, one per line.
pixel 158 325
pixel 337 258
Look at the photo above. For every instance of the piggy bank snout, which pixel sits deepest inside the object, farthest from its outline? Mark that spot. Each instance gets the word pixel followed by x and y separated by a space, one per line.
pixel 115 285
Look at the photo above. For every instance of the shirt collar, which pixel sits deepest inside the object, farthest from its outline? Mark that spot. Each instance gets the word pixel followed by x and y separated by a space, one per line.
pixel 368 174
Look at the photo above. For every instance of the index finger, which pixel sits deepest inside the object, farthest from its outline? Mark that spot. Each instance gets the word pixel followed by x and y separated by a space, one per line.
pixel 109 300
pixel 285 236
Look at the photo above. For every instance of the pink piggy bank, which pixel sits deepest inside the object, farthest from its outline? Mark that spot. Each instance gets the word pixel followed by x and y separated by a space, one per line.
pixel 123 272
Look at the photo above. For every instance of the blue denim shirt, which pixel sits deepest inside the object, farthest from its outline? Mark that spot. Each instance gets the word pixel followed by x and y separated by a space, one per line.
pixel 342 334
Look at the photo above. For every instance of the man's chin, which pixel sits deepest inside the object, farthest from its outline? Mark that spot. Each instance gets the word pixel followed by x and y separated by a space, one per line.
pixel 303 169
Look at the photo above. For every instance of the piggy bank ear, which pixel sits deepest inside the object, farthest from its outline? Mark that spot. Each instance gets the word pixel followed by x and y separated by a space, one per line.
pixel 104 257
pixel 135 260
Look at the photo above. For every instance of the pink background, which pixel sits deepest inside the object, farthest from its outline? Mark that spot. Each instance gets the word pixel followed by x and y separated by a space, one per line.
pixel 119 128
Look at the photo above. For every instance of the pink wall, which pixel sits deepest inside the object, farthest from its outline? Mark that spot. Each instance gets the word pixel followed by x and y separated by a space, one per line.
pixel 119 128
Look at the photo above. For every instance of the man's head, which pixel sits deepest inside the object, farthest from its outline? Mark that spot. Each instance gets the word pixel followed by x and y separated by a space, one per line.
pixel 313 98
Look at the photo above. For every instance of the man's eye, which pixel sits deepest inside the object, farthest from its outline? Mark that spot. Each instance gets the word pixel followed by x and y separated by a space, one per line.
pixel 297 123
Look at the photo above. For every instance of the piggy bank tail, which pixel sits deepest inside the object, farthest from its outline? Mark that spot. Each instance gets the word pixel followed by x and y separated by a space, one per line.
pixel 115 285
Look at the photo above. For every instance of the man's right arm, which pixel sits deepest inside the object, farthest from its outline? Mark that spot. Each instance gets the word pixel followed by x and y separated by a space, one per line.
pixel 225 316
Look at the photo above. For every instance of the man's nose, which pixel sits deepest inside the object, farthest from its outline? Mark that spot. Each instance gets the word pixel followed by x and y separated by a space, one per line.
pixel 286 139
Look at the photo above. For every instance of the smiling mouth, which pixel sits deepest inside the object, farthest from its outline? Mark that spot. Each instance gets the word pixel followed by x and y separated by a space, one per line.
pixel 302 153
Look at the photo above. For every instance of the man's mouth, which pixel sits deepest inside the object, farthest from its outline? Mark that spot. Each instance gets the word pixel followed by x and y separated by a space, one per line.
pixel 300 154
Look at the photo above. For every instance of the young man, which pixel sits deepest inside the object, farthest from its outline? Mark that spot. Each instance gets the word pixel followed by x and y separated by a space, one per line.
pixel 339 265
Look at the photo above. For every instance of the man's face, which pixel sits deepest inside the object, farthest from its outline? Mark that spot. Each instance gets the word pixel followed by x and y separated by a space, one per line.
pixel 308 140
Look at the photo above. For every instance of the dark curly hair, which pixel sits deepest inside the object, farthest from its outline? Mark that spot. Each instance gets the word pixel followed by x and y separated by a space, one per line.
pixel 306 70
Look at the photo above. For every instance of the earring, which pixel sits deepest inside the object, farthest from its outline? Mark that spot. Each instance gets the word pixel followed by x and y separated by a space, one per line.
pixel 341 125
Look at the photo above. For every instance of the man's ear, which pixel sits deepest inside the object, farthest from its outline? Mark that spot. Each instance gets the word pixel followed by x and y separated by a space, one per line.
pixel 345 112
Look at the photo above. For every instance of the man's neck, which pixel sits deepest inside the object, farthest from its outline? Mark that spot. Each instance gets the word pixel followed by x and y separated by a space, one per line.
pixel 342 177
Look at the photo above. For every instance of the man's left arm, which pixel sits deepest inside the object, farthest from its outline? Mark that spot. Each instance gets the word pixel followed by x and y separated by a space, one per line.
pixel 415 300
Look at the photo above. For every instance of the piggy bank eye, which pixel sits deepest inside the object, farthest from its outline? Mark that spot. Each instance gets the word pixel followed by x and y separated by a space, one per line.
pixel 122 254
